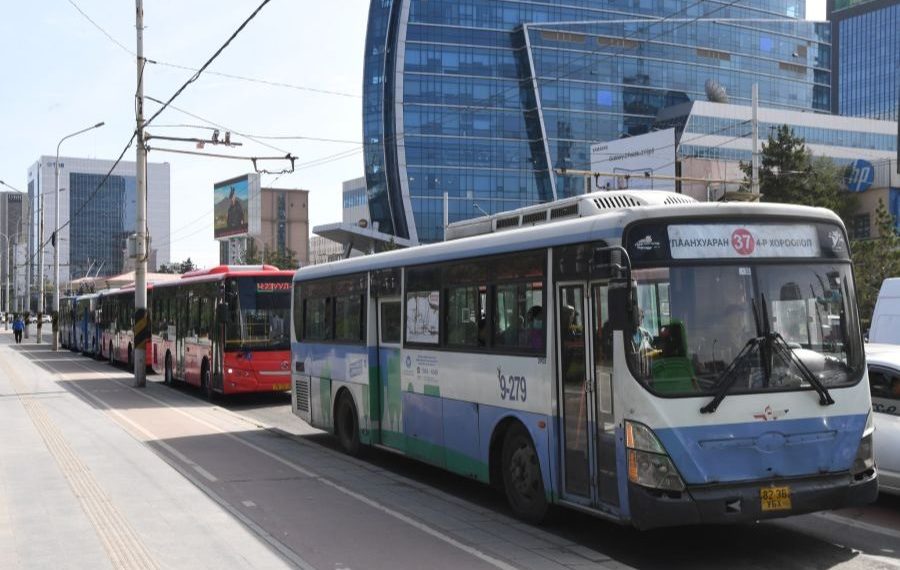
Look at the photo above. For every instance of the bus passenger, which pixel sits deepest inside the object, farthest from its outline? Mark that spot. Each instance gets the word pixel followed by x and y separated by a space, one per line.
pixel 534 320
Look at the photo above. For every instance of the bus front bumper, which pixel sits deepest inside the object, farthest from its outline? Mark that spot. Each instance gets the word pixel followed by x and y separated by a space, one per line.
pixel 742 502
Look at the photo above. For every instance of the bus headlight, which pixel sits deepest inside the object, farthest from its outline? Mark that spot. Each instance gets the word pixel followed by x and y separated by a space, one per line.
pixel 648 463
pixel 865 454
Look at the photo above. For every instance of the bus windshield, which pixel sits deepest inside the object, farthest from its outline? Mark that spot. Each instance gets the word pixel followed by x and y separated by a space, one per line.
pixel 260 316
pixel 749 327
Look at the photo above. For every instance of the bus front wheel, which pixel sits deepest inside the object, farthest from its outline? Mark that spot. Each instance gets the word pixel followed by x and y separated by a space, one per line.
pixel 522 480
pixel 346 425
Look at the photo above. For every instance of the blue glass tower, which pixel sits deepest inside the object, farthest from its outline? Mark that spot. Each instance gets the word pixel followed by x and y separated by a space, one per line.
pixel 867 58
pixel 493 101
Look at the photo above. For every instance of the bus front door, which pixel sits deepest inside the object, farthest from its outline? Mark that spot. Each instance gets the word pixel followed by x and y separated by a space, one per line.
pixel 585 382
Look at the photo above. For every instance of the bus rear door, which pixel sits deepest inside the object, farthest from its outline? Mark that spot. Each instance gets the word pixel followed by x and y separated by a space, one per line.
pixel 389 354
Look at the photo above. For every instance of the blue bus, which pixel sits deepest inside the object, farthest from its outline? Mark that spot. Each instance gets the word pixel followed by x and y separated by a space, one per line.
pixel 635 355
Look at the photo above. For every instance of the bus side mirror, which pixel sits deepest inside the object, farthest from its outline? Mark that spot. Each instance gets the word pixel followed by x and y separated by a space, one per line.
pixel 222 312
pixel 623 310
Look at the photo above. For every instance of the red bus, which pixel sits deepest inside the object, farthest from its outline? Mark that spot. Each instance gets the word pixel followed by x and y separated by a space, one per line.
pixel 115 315
pixel 225 329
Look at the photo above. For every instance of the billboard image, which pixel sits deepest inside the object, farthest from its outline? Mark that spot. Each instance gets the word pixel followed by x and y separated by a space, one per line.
pixel 633 162
pixel 233 204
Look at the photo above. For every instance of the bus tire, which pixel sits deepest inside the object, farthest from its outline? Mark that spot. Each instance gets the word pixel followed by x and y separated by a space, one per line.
pixel 346 425
pixel 168 376
pixel 522 480
pixel 206 382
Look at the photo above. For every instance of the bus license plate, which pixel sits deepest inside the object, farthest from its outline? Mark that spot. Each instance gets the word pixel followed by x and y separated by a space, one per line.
pixel 281 387
pixel 775 498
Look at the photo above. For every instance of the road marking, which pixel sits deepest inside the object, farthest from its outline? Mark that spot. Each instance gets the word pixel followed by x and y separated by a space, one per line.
pixel 858 524
pixel 303 471
pixel 248 504
pixel 123 546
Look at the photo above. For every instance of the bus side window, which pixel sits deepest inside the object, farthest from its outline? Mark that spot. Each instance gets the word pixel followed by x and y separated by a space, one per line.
pixel 464 320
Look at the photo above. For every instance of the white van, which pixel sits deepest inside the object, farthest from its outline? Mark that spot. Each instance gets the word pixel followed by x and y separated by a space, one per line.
pixel 886 318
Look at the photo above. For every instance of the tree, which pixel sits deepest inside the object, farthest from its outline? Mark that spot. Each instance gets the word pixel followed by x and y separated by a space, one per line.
pixel 874 260
pixel 282 260
pixel 789 174
pixel 177 267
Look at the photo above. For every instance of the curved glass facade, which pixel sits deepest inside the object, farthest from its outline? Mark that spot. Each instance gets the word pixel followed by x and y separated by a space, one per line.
pixel 492 101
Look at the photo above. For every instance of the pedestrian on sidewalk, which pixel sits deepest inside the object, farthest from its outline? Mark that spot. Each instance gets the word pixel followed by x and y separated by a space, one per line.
pixel 18 327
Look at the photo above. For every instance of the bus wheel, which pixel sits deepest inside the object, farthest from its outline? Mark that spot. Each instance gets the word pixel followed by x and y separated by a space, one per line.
pixel 522 479
pixel 169 377
pixel 346 426
pixel 206 383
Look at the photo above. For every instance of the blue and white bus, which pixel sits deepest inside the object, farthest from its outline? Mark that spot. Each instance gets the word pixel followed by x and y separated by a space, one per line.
pixel 636 355
pixel 85 324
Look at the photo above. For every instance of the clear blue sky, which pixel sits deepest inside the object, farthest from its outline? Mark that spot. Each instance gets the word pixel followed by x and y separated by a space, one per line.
pixel 61 74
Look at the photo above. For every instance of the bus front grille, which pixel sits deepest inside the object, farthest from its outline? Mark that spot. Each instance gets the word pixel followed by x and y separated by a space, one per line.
pixel 302 391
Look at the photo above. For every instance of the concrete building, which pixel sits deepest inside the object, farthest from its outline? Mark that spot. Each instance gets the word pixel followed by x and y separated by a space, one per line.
pixel 866 44
pixel 493 102
pixel 356 203
pixel 323 250
pixel 284 225
pixel 714 138
pixel 12 215
pixel 97 214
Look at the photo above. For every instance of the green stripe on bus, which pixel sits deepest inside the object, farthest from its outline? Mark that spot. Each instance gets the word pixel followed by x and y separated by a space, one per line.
pixel 432 390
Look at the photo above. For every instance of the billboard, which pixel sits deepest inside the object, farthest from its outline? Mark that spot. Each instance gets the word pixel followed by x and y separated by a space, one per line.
pixel 632 162
pixel 236 207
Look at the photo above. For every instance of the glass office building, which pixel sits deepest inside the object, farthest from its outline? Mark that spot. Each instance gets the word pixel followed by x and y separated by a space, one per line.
pixel 867 58
pixel 495 102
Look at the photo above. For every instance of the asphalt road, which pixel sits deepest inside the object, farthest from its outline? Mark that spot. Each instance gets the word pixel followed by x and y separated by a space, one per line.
pixel 318 508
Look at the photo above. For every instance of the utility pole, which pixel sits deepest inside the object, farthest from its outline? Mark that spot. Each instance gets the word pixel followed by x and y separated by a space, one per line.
pixel 141 315
pixel 754 172
pixel 40 244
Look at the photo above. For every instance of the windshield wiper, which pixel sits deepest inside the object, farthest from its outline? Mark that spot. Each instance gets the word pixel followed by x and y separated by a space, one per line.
pixel 785 349
pixel 728 378
pixel 725 382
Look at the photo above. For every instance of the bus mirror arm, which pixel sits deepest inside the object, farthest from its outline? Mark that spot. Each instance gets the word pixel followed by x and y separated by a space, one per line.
pixel 222 312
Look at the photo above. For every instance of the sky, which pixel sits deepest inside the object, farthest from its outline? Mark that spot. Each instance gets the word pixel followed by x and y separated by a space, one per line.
pixel 68 64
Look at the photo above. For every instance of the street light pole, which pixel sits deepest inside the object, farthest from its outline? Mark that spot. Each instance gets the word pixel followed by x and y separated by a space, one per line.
pixel 141 315
pixel 56 234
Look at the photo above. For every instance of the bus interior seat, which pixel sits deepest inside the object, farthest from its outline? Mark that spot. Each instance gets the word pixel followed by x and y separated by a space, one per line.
pixel 672 370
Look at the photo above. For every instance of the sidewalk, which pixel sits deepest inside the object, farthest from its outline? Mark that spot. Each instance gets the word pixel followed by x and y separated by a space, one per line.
pixel 78 491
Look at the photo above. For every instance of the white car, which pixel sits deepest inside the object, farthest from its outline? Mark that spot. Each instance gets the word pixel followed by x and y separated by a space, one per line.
pixel 45 318
pixel 883 361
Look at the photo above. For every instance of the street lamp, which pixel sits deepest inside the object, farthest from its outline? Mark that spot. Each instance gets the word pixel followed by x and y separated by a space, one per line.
pixel 56 238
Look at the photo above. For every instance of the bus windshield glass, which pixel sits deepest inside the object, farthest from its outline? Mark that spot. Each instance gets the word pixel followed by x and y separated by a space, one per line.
pixel 260 314
pixel 750 327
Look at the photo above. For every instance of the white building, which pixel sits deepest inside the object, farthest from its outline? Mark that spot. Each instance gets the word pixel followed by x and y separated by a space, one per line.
pixel 97 214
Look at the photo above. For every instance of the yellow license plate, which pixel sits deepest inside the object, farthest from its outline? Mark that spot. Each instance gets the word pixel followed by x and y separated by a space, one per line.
pixel 775 498
pixel 280 387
